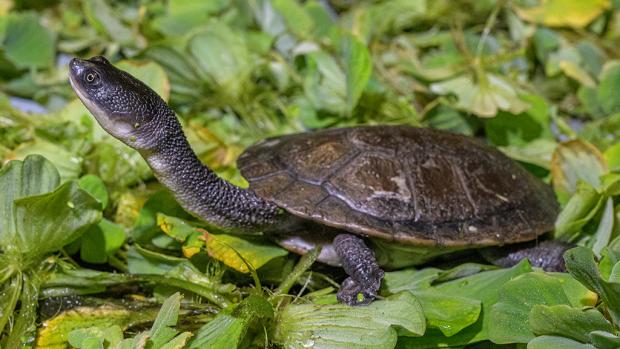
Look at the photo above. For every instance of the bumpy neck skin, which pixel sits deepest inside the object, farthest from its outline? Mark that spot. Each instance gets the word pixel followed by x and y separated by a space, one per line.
pixel 199 190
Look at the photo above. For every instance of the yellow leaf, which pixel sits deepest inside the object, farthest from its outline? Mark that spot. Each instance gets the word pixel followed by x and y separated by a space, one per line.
pixel 237 253
pixel 574 71
pixel 577 160
pixel 564 13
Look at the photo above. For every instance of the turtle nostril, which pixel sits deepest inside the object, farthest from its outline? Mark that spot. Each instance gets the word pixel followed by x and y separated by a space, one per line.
pixel 76 65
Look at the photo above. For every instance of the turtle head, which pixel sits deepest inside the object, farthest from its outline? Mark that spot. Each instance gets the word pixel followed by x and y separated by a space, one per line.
pixel 123 105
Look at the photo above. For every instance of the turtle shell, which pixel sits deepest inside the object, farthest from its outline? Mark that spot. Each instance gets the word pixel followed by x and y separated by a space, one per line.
pixel 411 185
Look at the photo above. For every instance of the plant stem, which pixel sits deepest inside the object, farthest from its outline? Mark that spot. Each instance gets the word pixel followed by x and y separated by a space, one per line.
pixel 305 262
pixel 213 297
pixel 24 327
pixel 117 263
pixel 8 308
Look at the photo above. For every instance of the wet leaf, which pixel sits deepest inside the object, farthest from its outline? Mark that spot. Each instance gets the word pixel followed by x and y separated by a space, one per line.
pixel 553 342
pixel 604 340
pixel 30 189
pixel 484 287
pixel 228 329
pixel 341 326
pixel 54 333
pixel 509 317
pixel 565 321
pixel 580 264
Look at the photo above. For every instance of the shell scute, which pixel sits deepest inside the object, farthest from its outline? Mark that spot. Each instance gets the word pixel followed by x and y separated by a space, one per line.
pixel 414 185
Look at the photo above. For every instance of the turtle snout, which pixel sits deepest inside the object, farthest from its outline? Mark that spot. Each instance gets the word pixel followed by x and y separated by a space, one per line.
pixel 77 66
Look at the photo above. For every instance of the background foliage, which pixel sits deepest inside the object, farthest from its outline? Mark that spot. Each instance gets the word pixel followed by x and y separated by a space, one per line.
pixel 102 246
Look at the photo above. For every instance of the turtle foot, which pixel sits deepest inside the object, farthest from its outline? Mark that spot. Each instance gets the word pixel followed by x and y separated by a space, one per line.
pixel 353 293
pixel 359 262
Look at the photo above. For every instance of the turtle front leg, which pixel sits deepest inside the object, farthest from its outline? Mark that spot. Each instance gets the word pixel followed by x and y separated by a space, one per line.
pixel 359 262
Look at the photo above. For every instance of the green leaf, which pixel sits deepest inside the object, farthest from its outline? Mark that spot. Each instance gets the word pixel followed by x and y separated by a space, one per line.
pixel 580 264
pixel 227 330
pixel 94 186
pixel 104 19
pixel 298 21
pixel 395 15
pixel 604 231
pixel 449 314
pixel 509 129
pixel 27 44
pixel 553 342
pixel 180 273
pixel 35 175
pixel 612 156
pixel 562 320
pixel 340 326
pixel 68 165
pixel 408 280
pixel 223 332
pixel 61 214
pixel 106 322
pixel 485 97
pixel 177 342
pixel 222 56
pixel 168 315
pixel 509 317
pixel 146 227
pixel 484 287
pixel 579 210
pixel 358 67
pixel 95 337
pixel 325 83
pixel 183 16
pixel 116 164
pixel 101 241
pixel 537 152
pixel 604 340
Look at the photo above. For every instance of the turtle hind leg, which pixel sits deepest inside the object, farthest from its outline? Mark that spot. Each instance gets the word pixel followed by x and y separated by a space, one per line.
pixel 547 254
pixel 359 262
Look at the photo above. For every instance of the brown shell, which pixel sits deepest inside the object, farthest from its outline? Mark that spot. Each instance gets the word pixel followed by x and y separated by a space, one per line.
pixel 413 185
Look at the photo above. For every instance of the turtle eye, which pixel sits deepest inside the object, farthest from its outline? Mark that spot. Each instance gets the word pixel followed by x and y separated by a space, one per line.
pixel 91 78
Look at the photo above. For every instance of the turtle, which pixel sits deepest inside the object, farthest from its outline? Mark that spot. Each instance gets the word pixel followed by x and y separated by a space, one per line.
pixel 373 197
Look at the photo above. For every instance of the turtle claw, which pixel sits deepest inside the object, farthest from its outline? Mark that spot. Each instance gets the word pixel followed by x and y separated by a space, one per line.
pixel 353 293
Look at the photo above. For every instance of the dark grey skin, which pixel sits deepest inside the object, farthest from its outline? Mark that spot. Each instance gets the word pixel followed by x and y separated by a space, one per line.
pixel 132 112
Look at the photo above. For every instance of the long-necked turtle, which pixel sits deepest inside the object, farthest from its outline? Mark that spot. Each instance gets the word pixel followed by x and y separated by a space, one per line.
pixel 413 192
